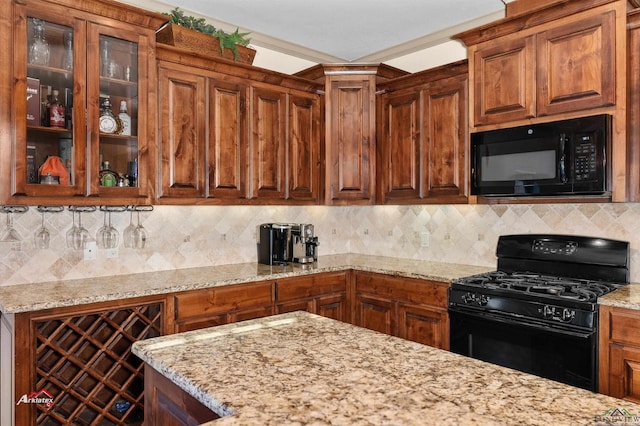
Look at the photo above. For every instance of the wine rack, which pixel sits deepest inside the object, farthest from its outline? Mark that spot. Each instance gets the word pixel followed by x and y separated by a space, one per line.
pixel 85 362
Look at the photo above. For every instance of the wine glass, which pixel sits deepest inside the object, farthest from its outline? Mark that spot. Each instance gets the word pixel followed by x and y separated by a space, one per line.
pixel 10 234
pixel 140 234
pixel 107 236
pixel 78 235
pixel 128 233
pixel 42 236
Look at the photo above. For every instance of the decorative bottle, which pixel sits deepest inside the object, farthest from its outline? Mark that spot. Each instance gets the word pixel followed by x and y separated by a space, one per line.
pixel 39 51
pixel 67 58
pixel 125 119
pixel 56 111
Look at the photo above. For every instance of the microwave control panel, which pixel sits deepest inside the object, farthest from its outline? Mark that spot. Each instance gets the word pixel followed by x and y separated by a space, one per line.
pixel 585 157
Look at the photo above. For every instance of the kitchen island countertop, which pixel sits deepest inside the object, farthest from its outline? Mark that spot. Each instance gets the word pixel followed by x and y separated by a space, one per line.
pixel 33 297
pixel 300 368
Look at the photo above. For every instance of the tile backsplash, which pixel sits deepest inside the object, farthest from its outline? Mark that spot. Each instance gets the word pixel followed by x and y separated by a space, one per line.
pixel 192 236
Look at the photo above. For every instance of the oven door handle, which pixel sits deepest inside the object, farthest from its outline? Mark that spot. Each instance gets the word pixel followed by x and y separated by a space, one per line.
pixel 521 322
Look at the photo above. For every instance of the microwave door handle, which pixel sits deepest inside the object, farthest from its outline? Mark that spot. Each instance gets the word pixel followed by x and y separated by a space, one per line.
pixel 563 158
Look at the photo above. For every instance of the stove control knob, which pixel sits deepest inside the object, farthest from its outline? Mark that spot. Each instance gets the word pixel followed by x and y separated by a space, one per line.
pixel 468 298
pixel 548 311
pixel 483 300
pixel 568 314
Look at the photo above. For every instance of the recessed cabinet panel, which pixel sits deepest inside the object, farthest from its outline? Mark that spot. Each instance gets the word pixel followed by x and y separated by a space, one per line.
pixel 304 147
pixel 227 140
pixel 350 146
pixel 268 143
pixel 183 133
pixel 446 140
pixel 504 81
pixel 402 147
pixel 576 65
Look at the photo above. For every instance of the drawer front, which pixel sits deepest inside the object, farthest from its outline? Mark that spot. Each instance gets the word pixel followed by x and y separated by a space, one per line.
pixel 624 326
pixel 205 302
pixel 311 286
pixel 433 293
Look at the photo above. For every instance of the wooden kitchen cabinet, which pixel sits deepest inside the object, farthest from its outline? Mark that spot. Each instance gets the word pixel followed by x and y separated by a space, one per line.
pixel 223 305
pixel 552 60
pixel 235 134
pixel 88 52
pixel 323 294
pixel 422 145
pixel 633 104
pixel 82 357
pixel 166 404
pixel 619 363
pixel 410 308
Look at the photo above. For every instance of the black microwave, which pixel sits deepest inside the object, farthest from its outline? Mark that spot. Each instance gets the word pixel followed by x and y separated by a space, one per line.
pixel 568 157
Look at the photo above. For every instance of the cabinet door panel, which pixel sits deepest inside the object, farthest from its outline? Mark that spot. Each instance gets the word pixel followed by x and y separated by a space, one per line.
pixel 402 150
pixel 304 147
pixel 504 81
pixel 182 123
pixel 624 365
pixel 576 65
pixel 332 306
pixel 423 325
pixel 375 313
pixel 268 143
pixel 446 141
pixel 227 140
pixel 350 145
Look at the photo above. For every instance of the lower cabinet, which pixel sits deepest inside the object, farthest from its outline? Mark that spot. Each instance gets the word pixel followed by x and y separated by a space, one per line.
pixel 322 294
pixel 405 307
pixel 166 404
pixel 619 365
pixel 81 358
pixel 223 305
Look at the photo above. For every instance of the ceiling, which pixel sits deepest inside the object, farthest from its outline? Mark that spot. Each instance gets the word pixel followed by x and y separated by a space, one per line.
pixel 340 31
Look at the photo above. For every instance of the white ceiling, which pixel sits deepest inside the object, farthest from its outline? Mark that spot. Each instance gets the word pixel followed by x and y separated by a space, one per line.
pixel 341 30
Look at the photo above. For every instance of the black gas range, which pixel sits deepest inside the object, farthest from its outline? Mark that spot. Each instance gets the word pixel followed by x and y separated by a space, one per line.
pixel 538 311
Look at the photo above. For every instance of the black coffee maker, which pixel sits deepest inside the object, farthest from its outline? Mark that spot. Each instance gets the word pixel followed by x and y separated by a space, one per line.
pixel 274 243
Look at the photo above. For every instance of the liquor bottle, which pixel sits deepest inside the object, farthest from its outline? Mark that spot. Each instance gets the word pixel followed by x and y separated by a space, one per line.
pixel 56 111
pixel 125 119
pixel 109 123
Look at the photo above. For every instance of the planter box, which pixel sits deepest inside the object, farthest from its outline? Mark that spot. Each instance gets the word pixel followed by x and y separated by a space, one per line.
pixel 204 44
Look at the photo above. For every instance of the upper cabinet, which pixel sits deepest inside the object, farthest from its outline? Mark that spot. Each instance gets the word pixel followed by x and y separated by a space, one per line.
pixel 235 134
pixel 422 137
pixel 82 103
pixel 551 60
pixel 350 127
pixel 546 61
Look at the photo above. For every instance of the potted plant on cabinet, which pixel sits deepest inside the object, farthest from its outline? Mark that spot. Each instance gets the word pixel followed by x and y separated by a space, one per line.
pixel 198 36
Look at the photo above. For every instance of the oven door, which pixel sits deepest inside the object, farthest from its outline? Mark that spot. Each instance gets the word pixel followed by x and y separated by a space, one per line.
pixel 565 356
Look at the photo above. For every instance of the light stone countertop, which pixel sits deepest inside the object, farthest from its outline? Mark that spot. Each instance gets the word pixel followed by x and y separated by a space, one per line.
pixel 624 297
pixel 299 368
pixel 55 294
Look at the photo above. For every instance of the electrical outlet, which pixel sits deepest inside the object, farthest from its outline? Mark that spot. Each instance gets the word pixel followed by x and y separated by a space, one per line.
pixel 111 253
pixel 424 239
pixel 90 251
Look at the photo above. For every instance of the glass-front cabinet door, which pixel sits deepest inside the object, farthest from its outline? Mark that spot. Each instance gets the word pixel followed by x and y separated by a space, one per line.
pixel 50 140
pixel 83 130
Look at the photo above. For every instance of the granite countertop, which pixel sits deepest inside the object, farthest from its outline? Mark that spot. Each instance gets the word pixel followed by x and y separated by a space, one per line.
pixel 300 368
pixel 55 294
pixel 624 297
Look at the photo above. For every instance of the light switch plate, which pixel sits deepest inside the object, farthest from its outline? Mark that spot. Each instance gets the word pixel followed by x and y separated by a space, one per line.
pixel 90 251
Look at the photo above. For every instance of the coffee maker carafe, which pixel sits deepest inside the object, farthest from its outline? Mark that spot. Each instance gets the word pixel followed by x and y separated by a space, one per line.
pixel 274 243
pixel 304 244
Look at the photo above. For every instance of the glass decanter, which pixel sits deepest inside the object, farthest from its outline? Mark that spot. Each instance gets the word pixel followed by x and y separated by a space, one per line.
pixel 39 51
pixel 67 58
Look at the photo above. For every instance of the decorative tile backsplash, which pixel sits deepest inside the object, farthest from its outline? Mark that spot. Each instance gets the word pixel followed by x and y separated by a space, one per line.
pixel 192 236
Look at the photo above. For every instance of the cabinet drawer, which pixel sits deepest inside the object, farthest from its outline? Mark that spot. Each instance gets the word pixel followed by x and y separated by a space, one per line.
pixel 311 286
pixel 222 299
pixel 419 291
pixel 624 326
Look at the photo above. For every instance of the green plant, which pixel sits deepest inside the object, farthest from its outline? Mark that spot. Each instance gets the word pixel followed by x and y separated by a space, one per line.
pixel 227 40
